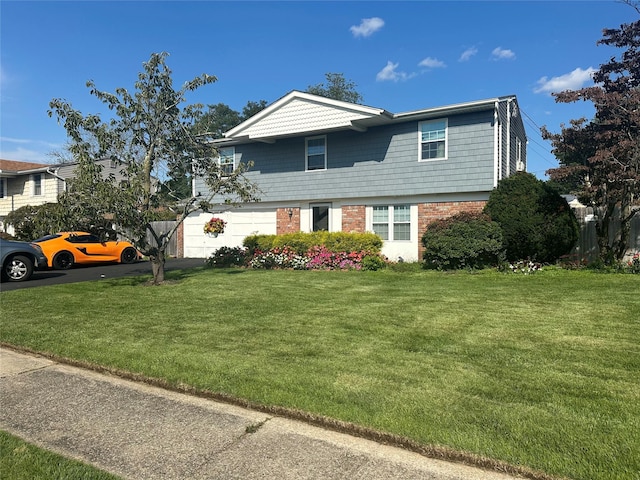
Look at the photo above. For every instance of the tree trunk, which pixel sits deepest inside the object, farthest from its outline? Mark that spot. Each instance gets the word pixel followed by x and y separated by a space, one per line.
pixel 157 267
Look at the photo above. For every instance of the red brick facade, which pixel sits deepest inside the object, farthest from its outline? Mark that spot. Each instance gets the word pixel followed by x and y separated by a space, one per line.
pixel 286 223
pixel 353 219
pixel 180 241
pixel 428 212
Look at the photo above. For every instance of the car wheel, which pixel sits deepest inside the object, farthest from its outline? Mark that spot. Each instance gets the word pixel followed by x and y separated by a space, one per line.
pixel 128 255
pixel 63 260
pixel 17 269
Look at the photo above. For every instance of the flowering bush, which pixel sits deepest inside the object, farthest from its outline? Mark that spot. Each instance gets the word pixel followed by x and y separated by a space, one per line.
pixel 215 225
pixel 278 258
pixel 633 265
pixel 316 258
pixel 525 267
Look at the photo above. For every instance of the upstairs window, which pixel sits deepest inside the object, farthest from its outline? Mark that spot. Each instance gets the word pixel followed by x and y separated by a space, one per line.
pixel 36 180
pixel 226 160
pixel 433 140
pixel 316 148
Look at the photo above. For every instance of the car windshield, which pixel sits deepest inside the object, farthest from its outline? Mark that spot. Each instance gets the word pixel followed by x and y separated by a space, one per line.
pixel 47 237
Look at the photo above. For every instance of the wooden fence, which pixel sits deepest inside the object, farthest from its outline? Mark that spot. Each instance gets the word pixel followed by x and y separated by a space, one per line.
pixel 163 227
pixel 587 246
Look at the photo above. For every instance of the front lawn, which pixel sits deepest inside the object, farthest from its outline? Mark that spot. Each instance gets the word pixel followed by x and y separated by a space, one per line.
pixel 539 371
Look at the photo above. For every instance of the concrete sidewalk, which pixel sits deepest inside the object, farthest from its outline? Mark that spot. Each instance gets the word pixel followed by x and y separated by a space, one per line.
pixel 141 432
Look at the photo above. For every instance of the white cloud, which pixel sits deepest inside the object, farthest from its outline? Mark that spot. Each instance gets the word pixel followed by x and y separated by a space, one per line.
pixel 432 63
pixel 27 150
pixel 367 27
pixel 390 73
pixel 569 81
pixel 25 155
pixel 467 54
pixel 500 53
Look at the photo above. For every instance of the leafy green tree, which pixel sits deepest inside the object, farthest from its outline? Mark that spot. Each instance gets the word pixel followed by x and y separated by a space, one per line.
pixel 211 124
pixel 337 88
pixel 536 221
pixel 32 222
pixel 600 160
pixel 148 130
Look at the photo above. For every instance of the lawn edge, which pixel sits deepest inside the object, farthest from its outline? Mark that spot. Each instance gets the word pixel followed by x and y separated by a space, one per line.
pixel 427 450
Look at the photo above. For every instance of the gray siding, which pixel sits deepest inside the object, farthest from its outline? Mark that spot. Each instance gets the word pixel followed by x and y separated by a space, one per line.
pixel 380 162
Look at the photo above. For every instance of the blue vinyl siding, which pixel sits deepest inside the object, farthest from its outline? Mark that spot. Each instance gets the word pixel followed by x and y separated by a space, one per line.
pixel 382 161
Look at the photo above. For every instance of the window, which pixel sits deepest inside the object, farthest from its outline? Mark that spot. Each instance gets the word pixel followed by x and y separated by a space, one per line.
pixel 401 222
pixel 226 160
pixel 392 222
pixel 37 184
pixel 433 140
pixel 3 187
pixel 320 217
pixel 316 148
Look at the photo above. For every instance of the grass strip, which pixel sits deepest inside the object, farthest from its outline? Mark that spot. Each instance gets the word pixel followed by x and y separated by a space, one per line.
pixel 538 372
pixel 20 460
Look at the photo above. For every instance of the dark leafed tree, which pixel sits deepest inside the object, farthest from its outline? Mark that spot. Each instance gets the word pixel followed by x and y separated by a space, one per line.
pixel 149 130
pixel 337 88
pixel 600 159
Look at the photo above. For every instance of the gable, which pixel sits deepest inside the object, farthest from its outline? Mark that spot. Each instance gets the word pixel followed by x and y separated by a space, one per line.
pixel 298 113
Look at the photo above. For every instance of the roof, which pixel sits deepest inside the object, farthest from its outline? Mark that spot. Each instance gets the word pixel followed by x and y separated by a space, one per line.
pixel 10 168
pixel 299 113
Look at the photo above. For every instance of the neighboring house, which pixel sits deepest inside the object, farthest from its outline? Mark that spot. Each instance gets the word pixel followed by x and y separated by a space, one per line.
pixel 323 164
pixel 24 183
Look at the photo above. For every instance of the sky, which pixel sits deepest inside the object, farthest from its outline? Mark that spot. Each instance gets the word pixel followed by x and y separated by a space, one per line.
pixel 402 56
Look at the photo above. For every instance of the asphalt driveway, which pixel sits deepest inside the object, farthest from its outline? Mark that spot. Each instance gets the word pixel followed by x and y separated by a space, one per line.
pixel 97 272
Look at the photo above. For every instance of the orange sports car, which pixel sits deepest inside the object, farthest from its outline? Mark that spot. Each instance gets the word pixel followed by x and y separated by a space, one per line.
pixel 65 249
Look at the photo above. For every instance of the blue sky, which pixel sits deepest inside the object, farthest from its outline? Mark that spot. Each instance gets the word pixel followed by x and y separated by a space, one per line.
pixel 401 55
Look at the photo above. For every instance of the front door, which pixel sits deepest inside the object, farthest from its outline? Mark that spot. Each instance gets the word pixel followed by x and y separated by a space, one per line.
pixel 320 217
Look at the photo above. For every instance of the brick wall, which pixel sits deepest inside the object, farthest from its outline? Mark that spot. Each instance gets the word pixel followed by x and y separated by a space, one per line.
pixel 353 219
pixel 428 212
pixel 284 224
pixel 180 241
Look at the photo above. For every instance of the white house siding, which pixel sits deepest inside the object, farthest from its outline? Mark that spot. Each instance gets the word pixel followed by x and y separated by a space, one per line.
pixel 241 223
pixel 20 193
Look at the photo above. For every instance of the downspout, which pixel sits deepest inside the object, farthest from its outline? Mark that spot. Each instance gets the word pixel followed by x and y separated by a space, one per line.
pixel 64 180
pixel 496 144
pixel 509 101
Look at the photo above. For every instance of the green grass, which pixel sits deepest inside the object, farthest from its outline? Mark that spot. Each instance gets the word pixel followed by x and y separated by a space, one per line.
pixel 22 461
pixel 541 371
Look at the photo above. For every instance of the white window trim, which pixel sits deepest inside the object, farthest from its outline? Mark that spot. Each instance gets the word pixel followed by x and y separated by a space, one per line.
pixel 390 220
pixel 233 155
pixel 33 185
pixel 329 213
pixel 306 153
pixel 446 140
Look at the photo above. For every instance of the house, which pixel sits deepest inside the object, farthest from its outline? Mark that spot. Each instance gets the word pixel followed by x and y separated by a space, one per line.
pixel 323 164
pixel 25 183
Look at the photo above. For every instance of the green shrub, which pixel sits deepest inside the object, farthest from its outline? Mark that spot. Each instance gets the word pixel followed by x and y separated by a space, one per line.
pixel 372 263
pixel 301 242
pixel 536 222
pixel 226 257
pixel 466 240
